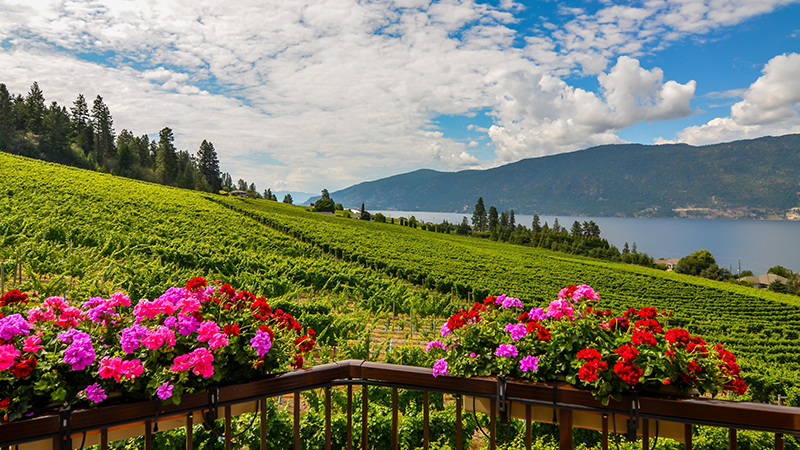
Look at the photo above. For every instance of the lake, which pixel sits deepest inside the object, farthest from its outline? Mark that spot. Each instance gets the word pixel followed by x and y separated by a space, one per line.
pixel 759 244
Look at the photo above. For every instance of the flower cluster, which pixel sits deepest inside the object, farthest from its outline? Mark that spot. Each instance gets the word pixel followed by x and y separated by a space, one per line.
pixel 589 347
pixel 184 340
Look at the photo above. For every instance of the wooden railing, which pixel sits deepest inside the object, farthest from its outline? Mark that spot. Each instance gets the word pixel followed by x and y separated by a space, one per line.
pixel 568 405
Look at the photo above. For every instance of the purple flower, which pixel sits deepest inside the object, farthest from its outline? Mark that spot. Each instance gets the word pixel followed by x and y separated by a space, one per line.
pixel 100 310
pixel 170 321
pixel 80 353
pixel 95 393
pixel 537 314
pixel 261 342
pixel 132 336
pixel 13 325
pixel 529 363
pixel 507 351
pixel 518 331
pixel 165 390
pixel 445 331
pixel 433 344
pixel 472 355
pixel 507 302
pixel 440 367
pixel 187 325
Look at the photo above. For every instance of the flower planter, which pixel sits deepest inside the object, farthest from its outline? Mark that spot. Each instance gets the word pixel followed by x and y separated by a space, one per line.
pixel 138 429
pixel 580 419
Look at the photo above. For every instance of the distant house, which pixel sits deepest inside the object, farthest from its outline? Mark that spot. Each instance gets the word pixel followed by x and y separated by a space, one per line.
pixel 239 193
pixel 763 281
pixel 670 263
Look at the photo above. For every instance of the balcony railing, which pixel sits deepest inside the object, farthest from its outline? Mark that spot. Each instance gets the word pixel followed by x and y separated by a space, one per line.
pixel 567 406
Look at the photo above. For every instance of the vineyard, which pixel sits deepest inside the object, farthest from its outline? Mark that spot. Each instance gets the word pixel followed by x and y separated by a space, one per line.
pixel 87 234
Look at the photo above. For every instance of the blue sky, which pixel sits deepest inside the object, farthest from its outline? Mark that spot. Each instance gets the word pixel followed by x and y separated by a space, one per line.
pixel 303 95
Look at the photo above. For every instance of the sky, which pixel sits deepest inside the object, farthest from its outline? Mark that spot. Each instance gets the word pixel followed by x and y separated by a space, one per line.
pixel 304 95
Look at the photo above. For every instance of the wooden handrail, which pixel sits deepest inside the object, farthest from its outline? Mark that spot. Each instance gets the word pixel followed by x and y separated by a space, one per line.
pixel 722 413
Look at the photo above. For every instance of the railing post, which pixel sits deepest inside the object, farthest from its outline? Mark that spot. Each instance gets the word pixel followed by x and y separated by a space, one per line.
pixel 459 425
pixel 349 417
pixel 296 420
pixel 228 431
pixel 104 439
pixel 687 432
pixel 263 408
pixel 778 441
pixel 528 427
pixel 364 417
pixel 732 444
pixel 565 429
pixel 148 435
pixel 189 431
pixel 645 434
pixel 426 420
pixel 327 418
pixel 395 443
pixel 604 441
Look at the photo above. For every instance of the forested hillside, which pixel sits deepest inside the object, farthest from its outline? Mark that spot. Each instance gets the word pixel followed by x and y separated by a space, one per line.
pixel 754 178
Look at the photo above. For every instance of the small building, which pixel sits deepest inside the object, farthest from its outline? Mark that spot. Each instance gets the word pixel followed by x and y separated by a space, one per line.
pixel 670 263
pixel 763 281
pixel 238 193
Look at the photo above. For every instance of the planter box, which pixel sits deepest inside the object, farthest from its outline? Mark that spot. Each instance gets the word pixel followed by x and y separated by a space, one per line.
pixel 580 419
pixel 138 429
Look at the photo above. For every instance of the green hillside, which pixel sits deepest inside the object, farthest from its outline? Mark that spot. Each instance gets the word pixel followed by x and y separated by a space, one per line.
pixel 89 233
pixel 758 177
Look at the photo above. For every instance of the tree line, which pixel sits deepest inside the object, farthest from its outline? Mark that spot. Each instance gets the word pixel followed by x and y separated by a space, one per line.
pixel 84 136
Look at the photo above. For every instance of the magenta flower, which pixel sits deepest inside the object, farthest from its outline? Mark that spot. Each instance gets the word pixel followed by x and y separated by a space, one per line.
pixel 518 331
pixel 80 353
pixel 585 292
pixel 529 363
pixel 472 355
pixel 560 308
pixel 203 360
pixel 508 302
pixel 131 369
pixel 109 368
pixel 440 367
pixel 444 330
pixel 7 356
pixel 187 325
pixel 435 344
pixel 131 337
pixel 261 342
pixel 159 337
pixel 165 390
pixel 118 298
pixel 507 351
pixel 95 393
pixel 537 314
pixel 13 325
pixel 32 344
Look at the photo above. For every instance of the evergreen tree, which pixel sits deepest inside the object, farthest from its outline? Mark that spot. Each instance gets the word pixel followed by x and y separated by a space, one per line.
pixel 556 226
pixel 288 199
pixel 536 226
pixel 103 130
pixel 268 194
pixel 227 182
pixel 55 132
pixel 35 109
pixel 209 165
pixel 82 129
pixel 577 230
pixel 20 113
pixel 504 223
pixel 479 216
pixel 241 185
pixel 166 159
pixel 326 195
pixel 141 145
pixel 252 187
pixel 493 221
pixel 6 117
pixel 512 220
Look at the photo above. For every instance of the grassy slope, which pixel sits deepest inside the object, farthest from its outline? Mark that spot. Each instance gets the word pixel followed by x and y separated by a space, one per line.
pixel 145 237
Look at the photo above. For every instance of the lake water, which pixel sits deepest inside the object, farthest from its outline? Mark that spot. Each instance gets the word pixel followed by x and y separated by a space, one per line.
pixel 759 244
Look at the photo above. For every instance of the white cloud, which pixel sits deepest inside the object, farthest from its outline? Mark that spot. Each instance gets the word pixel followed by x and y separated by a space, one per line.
pixel 768 107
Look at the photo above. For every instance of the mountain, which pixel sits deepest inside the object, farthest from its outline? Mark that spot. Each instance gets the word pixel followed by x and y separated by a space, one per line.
pixel 749 178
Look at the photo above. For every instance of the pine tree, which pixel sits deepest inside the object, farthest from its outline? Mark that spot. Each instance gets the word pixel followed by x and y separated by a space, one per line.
pixel 536 226
pixel 103 130
pixel 268 194
pixel 577 230
pixel 288 199
pixel 35 109
pixel 512 220
pixel 493 219
pixel 209 165
pixel 6 117
pixel 166 159
pixel 326 195
pixel 479 215
pixel 55 132
pixel 82 130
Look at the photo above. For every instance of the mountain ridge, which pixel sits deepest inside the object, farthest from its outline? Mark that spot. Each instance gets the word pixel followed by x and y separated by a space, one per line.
pixel 756 178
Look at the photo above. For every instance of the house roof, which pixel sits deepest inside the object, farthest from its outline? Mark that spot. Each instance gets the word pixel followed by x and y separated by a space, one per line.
pixel 765 279
pixel 673 261
pixel 238 192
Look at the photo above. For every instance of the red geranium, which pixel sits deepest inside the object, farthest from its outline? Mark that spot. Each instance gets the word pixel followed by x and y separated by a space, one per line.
pixel 13 296
pixel 23 368
pixel 643 337
pixel 232 330
pixel 627 352
pixel 541 332
pixel 195 284
pixel 628 372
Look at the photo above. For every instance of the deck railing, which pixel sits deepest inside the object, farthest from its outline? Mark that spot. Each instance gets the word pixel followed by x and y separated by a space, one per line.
pixel 567 405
